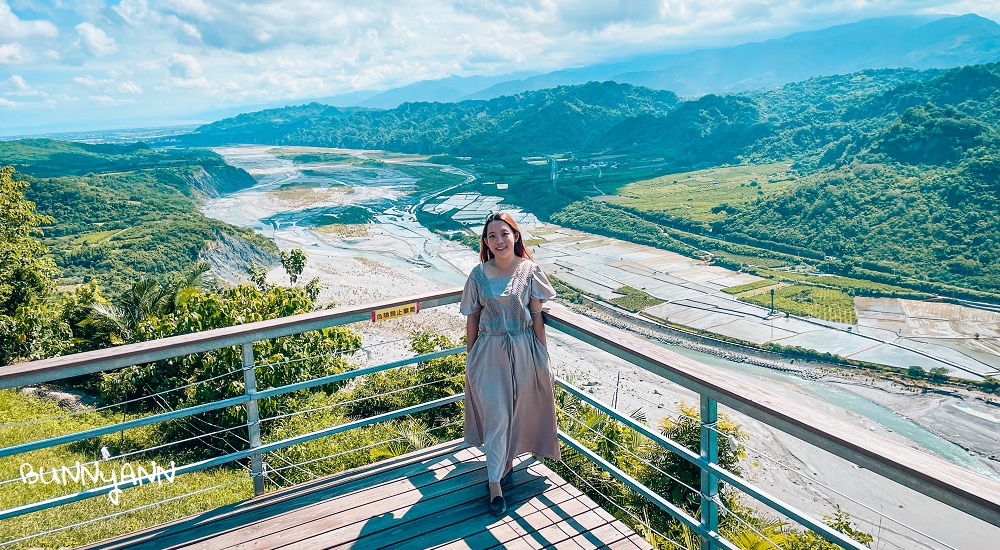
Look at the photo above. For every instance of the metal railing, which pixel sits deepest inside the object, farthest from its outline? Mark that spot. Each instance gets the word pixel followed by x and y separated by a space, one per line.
pixel 940 480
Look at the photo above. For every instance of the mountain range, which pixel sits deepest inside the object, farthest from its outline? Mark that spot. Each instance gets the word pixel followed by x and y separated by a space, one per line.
pixel 918 42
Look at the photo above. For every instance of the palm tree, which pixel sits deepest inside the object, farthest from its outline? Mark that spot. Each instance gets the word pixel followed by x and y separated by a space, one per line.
pixel 145 298
pixel 148 298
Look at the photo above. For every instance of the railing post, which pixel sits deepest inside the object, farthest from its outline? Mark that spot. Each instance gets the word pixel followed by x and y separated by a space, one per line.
pixel 709 481
pixel 253 419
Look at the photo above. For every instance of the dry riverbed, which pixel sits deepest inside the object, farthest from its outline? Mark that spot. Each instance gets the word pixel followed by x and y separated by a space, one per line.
pixel 788 468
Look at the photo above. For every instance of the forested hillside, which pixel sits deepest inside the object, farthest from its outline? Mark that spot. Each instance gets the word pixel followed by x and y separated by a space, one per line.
pixel 557 119
pixel 122 213
pixel 894 168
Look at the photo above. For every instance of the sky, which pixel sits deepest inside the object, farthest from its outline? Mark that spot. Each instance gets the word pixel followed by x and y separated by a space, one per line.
pixel 68 65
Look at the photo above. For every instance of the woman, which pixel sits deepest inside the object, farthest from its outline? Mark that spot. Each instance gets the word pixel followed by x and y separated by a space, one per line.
pixel 509 404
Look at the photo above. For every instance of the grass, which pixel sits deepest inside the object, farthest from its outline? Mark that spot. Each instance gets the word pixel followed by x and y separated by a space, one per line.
pixel 312 156
pixel 759 261
pixel 810 301
pixel 344 230
pixel 429 178
pixel 634 299
pixel 739 289
pixel 858 287
pixel 17 408
pixel 693 195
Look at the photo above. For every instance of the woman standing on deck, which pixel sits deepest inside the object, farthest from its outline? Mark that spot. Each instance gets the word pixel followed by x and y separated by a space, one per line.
pixel 509 403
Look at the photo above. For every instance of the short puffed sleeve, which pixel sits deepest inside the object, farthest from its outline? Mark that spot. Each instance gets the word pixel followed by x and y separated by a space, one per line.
pixel 541 289
pixel 470 295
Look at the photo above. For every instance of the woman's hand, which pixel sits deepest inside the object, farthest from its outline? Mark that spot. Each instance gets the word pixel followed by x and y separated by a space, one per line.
pixel 471 330
pixel 537 323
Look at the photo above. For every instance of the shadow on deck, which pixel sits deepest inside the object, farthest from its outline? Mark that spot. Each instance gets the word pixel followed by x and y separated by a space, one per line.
pixel 427 499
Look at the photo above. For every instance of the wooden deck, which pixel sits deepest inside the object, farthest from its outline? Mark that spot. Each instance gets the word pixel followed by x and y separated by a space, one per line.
pixel 435 498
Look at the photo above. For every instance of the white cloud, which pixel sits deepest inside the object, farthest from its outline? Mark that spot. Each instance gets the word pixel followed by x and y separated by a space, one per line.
pixel 16 28
pixel 103 99
pixel 129 87
pixel 196 9
pixel 95 40
pixel 108 84
pixel 7 103
pixel 184 66
pixel 10 53
pixel 185 71
pixel 238 52
pixel 17 86
pixel 87 81
pixel 132 12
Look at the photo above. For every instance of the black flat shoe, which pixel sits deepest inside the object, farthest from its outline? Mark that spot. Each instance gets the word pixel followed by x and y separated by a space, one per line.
pixel 498 506
pixel 503 481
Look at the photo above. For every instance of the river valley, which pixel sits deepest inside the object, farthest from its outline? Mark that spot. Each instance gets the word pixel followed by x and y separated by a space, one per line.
pixel 377 249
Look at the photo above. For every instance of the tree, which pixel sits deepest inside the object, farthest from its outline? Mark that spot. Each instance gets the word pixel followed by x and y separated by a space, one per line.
pixel 293 262
pixel 990 384
pixel 30 324
pixel 939 374
pixel 217 374
pixel 915 371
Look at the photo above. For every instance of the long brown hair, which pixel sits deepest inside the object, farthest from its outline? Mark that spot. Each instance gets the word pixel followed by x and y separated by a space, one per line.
pixel 485 254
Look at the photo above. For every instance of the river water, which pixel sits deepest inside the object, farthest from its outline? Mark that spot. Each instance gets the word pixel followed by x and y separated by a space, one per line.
pixel 853 402
pixel 384 193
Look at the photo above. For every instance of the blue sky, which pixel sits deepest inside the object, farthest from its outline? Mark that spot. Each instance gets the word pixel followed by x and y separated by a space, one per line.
pixel 73 65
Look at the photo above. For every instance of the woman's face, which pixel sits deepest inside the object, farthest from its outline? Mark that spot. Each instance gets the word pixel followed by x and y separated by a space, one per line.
pixel 500 239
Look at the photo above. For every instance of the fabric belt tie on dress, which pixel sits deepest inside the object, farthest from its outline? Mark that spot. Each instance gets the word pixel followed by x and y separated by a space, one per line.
pixel 508 346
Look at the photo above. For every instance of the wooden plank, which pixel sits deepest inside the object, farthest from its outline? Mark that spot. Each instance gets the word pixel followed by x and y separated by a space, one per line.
pixel 565 528
pixel 526 517
pixel 606 535
pixel 434 515
pixel 433 497
pixel 632 542
pixel 347 508
pixel 343 511
pixel 236 515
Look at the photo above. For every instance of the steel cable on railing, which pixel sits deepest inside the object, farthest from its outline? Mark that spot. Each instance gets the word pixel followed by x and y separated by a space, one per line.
pixel 740 519
pixel 629 451
pixel 199 382
pixel 796 471
pixel 265 468
pixel 119 403
pixel 360 399
pixel 622 508
pixel 369 446
pixel 632 392
pixel 123 512
pixel 144 450
pixel 166 407
pixel 365 349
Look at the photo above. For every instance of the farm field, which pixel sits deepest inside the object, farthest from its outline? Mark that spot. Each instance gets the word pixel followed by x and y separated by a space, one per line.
pixel 694 195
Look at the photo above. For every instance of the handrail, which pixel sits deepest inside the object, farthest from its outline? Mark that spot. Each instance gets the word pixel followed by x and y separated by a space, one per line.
pixel 55 368
pixel 692 457
pixel 222 404
pixel 973 494
pixel 940 480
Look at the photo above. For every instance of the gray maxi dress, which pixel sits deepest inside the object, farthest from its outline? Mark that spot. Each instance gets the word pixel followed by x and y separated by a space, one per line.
pixel 509 403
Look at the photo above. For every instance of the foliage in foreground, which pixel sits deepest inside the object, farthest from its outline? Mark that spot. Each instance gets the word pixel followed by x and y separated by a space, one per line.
pixel 673 478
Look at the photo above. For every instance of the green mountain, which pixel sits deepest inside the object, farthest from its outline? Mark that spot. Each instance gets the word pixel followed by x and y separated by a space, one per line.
pixel 124 212
pixel 895 166
pixel 538 122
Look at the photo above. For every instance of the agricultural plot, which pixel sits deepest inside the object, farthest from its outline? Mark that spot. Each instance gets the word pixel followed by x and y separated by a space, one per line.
pixel 694 195
pixel 859 287
pixel 634 299
pixel 822 303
